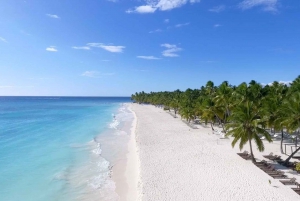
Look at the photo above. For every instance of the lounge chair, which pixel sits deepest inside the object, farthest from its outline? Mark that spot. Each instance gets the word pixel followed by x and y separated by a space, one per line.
pixel 268 156
pixel 262 163
pixel 296 190
pixel 245 153
pixel 279 176
pixel 292 181
pixel 266 167
pixel 275 158
pixel 247 157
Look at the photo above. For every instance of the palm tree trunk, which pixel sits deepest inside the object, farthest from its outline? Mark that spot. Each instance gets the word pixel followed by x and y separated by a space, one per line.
pixel 212 126
pixel 281 148
pixel 220 122
pixel 288 159
pixel 249 138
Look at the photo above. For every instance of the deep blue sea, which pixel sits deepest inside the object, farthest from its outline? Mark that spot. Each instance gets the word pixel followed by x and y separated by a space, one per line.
pixel 61 148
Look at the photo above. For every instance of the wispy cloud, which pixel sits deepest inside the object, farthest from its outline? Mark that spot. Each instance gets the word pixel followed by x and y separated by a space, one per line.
pixel 142 9
pixel 166 21
pixel 162 5
pixel 181 25
pixel 81 48
pixel 171 50
pixel 217 9
pixel 288 83
pixel 148 57
pixel 110 48
pixel 95 74
pixel 268 5
pixel 217 25
pixel 114 1
pixel 3 40
pixel 51 49
pixel 53 16
pixel 155 31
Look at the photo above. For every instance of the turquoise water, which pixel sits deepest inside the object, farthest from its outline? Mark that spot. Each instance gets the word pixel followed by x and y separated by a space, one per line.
pixel 51 147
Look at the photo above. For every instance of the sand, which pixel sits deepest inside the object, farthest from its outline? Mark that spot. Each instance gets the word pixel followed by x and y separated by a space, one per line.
pixel 126 171
pixel 176 162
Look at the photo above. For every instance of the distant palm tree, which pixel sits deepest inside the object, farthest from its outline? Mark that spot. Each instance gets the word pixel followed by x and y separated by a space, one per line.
pixel 223 100
pixel 245 126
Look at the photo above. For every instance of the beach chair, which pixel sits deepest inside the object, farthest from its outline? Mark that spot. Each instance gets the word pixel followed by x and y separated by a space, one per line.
pixel 292 181
pixel 261 163
pixel 245 153
pixel 266 167
pixel 268 156
pixel 278 176
pixel 247 157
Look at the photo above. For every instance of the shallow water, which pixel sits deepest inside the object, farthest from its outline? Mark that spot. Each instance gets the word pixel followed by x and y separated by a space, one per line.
pixel 61 148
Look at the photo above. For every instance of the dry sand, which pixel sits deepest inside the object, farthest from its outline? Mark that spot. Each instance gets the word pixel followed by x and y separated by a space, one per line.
pixel 180 163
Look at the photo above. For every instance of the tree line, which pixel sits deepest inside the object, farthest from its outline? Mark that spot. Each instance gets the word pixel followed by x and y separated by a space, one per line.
pixel 244 111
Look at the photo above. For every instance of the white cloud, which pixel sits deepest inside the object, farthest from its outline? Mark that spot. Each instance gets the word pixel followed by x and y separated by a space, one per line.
pixel 166 21
pixel 181 25
pixel 285 82
pixel 3 40
pixel 217 25
pixel 53 16
pixel 81 48
pixel 217 9
pixel 110 48
pixel 268 5
pixel 148 57
pixel 90 74
pixel 163 5
pixel 171 50
pixel 155 31
pixel 95 74
pixel 145 9
pixel 288 83
pixel 51 49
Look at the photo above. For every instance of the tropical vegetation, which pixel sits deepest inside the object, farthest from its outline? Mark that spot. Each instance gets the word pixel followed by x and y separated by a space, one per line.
pixel 244 112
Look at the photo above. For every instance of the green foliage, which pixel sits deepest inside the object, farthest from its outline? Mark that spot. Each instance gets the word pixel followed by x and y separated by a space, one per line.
pixel 243 111
pixel 166 108
pixel 298 167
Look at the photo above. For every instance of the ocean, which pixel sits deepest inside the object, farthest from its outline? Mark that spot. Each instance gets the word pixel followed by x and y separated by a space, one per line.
pixel 61 148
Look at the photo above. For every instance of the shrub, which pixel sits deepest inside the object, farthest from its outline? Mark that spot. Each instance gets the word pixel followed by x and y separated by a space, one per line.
pixel 298 167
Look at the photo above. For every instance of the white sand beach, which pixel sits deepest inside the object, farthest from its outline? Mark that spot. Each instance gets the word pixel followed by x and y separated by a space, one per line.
pixel 176 162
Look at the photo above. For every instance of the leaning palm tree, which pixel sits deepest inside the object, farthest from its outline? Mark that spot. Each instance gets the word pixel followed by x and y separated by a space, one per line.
pixel 245 126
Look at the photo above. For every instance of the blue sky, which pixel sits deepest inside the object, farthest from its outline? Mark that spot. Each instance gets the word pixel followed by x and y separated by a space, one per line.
pixel 118 47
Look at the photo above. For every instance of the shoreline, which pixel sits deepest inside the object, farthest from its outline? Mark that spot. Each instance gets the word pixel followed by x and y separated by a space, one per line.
pixel 125 173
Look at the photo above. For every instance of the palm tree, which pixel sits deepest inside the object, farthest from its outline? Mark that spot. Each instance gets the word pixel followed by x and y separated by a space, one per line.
pixel 223 100
pixel 291 112
pixel 245 126
pixel 272 105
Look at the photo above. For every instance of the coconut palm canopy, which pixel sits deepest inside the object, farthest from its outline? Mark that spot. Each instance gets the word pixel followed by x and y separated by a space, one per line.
pixel 244 111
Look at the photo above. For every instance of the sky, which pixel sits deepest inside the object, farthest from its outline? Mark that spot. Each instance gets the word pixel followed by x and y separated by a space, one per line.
pixel 119 47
